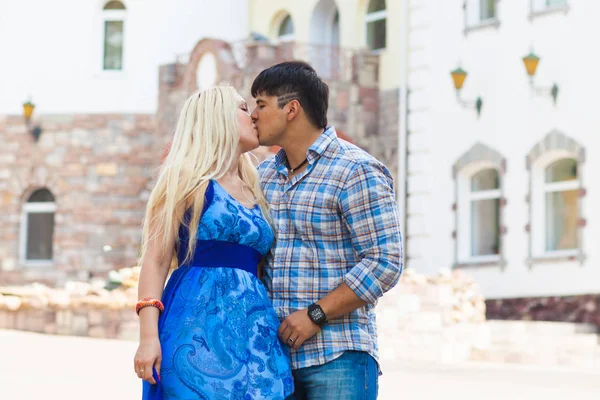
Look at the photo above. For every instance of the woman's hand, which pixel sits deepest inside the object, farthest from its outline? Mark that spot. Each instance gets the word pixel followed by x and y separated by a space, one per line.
pixel 148 355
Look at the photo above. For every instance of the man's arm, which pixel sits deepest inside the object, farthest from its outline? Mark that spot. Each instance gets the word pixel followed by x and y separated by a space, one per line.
pixel 370 212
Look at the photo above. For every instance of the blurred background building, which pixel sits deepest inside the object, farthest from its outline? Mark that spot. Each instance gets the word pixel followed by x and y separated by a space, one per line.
pixel 494 162
pixel 506 192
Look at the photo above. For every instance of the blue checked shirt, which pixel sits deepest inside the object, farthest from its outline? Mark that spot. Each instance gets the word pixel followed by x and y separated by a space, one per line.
pixel 337 221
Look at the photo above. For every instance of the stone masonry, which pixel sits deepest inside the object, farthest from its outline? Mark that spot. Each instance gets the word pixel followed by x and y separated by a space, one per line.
pixel 100 167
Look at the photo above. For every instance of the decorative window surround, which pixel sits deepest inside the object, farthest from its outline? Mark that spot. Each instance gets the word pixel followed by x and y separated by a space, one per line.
pixel 477 159
pixel 555 146
pixel 471 9
pixel 536 10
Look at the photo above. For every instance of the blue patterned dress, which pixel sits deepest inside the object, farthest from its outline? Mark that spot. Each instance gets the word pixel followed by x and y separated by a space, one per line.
pixel 218 331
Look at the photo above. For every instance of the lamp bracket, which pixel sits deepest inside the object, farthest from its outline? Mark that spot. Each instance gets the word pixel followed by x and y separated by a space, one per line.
pixel 477 103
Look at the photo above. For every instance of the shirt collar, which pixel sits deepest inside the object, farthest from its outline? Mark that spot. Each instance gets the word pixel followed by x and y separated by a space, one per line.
pixel 314 151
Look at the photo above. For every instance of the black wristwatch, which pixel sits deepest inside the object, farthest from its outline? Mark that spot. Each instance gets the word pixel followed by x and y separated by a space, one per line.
pixel 316 314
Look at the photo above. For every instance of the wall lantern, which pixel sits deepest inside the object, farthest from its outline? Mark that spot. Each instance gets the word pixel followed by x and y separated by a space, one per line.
pixel 458 77
pixel 531 62
pixel 36 130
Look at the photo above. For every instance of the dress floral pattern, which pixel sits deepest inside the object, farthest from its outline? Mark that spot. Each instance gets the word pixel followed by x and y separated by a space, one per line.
pixel 218 332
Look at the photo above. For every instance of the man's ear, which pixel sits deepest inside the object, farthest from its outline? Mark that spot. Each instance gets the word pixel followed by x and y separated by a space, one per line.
pixel 293 109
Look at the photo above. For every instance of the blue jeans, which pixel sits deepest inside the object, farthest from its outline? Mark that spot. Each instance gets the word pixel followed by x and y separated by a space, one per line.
pixel 352 376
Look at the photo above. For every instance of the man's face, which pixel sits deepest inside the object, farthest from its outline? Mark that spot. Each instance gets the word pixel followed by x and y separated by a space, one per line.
pixel 269 119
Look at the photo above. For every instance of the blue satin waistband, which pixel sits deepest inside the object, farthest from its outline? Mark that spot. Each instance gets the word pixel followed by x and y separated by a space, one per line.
pixel 221 254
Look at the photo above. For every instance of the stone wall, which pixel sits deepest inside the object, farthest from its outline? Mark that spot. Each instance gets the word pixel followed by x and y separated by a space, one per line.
pixel 98 168
pixel 432 319
pixel 356 106
pixel 424 318
pixel 582 309
pixel 78 309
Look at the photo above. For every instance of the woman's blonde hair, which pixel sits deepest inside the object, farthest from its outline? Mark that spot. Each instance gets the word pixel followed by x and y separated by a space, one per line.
pixel 203 148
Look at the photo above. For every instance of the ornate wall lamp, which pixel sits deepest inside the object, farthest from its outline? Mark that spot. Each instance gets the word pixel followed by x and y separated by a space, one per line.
pixel 34 130
pixel 531 62
pixel 458 77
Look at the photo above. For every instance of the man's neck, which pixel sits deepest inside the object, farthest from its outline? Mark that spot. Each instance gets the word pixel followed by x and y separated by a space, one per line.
pixel 297 144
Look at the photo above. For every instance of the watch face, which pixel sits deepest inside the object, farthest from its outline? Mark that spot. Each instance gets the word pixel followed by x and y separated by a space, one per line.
pixel 317 314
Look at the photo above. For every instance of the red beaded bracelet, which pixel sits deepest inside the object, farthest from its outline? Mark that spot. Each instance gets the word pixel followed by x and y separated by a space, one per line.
pixel 148 302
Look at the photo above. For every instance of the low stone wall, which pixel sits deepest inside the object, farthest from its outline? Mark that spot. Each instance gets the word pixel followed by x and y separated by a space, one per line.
pixel 582 309
pixel 432 319
pixel 78 309
pixel 424 318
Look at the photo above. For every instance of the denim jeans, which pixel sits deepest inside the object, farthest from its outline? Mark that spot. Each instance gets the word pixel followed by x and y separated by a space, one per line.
pixel 352 376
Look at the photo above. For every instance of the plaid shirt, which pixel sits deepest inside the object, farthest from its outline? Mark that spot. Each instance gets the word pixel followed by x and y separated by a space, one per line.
pixel 337 221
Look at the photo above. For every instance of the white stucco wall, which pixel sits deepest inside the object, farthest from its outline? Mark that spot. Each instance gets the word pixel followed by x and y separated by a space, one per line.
pixel 52 50
pixel 512 122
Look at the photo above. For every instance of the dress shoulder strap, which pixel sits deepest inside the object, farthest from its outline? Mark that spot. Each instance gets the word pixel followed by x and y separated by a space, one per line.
pixel 208 196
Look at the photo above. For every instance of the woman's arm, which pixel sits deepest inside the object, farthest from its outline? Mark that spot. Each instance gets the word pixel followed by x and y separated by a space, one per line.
pixel 155 268
pixel 154 272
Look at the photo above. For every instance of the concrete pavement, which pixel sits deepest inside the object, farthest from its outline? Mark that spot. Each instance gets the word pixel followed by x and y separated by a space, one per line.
pixel 34 366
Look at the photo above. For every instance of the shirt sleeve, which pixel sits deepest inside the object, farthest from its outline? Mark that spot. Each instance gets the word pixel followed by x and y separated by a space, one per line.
pixel 370 212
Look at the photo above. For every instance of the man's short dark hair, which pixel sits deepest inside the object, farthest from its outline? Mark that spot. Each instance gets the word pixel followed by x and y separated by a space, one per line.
pixel 295 80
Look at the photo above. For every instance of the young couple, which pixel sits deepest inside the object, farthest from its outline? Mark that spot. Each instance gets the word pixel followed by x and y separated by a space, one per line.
pixel 278 269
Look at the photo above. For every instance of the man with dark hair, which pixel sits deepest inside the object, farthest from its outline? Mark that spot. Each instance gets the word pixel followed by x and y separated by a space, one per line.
pixel 338 247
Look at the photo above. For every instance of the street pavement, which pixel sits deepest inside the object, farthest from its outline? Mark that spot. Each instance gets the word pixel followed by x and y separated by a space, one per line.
pixel 35 366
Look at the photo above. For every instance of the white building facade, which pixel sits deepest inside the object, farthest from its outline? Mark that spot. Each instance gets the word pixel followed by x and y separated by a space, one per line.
pixel 102 56
pixel 75 178
pixel 508 196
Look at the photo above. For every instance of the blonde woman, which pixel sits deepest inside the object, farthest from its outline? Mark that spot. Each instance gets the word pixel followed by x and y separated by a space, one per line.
pixel 212 332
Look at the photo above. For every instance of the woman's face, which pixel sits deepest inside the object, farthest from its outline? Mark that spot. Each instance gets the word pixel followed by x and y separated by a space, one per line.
pixel 248 132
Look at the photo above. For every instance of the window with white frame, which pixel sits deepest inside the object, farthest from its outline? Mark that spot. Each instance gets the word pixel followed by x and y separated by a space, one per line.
pixel 114 15
pixel 480 12
pixel 546 5
pixel 555 206
pixel 556 224
pixel 286 30
pixel 375 21
pixel 37 228
pixel 479 197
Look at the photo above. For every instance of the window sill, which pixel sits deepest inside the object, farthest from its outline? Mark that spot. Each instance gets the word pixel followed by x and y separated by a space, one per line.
pixel 110 74
pixel 549 10
pixel 377 52
pixel 488 23
pixel 36 264
pixel 558 257
pixel 481 262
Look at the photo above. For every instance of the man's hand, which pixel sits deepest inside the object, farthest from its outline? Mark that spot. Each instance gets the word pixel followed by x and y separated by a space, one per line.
pixel 297 328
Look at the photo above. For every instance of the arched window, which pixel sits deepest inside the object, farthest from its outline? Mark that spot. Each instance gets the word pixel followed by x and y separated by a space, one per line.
pixel 37 227
pixel 285 32
pixel 206 73
pixel 556 190
pixel 114 15
pixel 324 54
pixel 376 24
pixel 479 204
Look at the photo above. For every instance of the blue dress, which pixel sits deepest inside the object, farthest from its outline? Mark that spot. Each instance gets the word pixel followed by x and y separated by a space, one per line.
pixel 218 331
